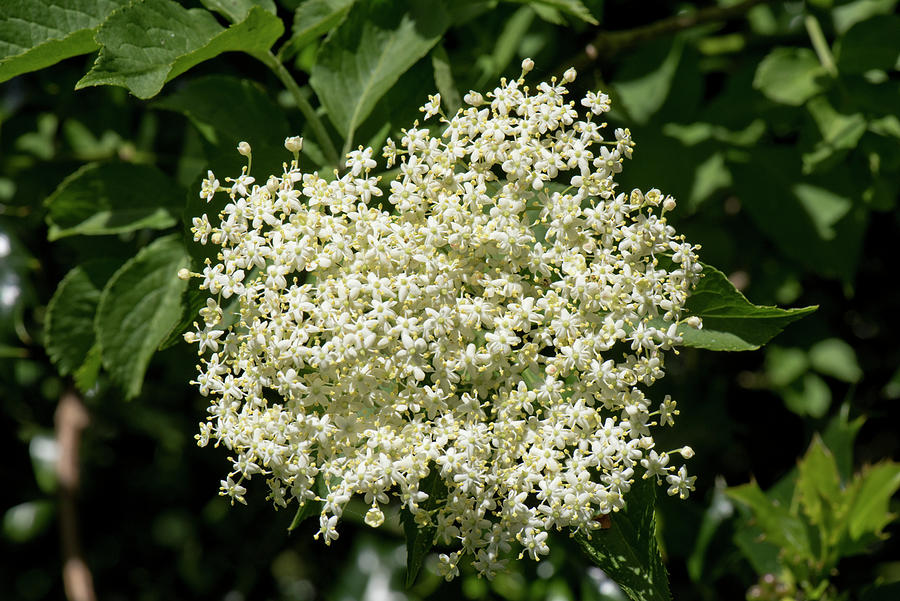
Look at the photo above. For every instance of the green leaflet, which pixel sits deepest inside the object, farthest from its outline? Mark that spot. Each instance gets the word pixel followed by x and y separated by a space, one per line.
pixel 38 33
pixel 312 19
pixel 69 329
pixel 360 61
pixel 790 76
pixel 154 41
pixel 627 551
pixel 111 198
pixel 730 321
pixel 138 308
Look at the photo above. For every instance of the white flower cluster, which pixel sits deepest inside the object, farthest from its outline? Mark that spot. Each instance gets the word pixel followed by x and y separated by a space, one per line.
pixel 490 328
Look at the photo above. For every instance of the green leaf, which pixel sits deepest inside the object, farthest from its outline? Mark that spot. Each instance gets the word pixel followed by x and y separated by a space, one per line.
pixel 869 513
pixel 154 41
pixel 834 357
pixel 111 198
pixel 515 28
pixel 784 365
pixel 192 300
pixel 137 309
pixel 25 521
pixel 819 484
pixel 312 19
pixel 730 321
pixel 237 10
pixel 69 329
pixel 847 15
pixel 627 551
pixel 86 376
pixel 810 396
pixel 839 436
pixel 371 49
pixel 870 44
pixel 799 216
pixel 576 8
pixel 840 134
pixel 778 526
pixel 420 539
pixel 443 78
pixel 38 33
pixel 250 113
pixel 645 78
pixel 790 76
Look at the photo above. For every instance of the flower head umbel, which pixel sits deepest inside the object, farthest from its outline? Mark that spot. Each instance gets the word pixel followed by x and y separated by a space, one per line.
pixel 492 325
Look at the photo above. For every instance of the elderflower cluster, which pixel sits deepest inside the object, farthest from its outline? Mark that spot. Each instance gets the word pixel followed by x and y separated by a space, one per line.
pixel 473 340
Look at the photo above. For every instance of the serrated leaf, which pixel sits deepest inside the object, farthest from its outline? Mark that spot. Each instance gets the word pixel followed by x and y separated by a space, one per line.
pixel 869 513
pixel 870 44
pixel 371 49
pixel 790 76
pixel 730 321
pixel 250 114
pixel 111 198
pixel 834 357
pixel 627 551
pixel 420 539
pixel 312 19
pixel 819 484
pixel 154 41
pixel 86 376
pixel 138 307
pixel 69 329
pixel 237 10
pixel 192 300
pixel 778 525
pixel 38 33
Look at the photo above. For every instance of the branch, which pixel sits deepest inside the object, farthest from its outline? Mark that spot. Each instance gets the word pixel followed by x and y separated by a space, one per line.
pixel 71 419
pixel 608 43
pixel 303 104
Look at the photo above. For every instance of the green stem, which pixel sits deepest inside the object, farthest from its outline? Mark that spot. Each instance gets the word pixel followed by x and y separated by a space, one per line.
pixel 303 104
pixel 820 45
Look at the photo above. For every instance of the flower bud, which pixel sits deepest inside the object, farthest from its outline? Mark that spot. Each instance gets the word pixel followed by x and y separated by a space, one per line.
pixel 669 204
pixel 244 149
pixel 527 66
pixel 570 75
pixel 294 143
pixel 184 274
pixel 687 452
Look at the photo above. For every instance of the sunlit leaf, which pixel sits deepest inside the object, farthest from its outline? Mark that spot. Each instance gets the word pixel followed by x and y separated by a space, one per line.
pixel 790 75
pixel 730 321
pixel 371 49
pixel 138 307
pixel 154 41
pixel 627 551
pixel 38 33
pixel 834 357
pixel 312 19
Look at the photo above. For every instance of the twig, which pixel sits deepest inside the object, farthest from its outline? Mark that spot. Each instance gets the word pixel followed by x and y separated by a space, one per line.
pixel 71 419
pixel 608 43
pixel 321 134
